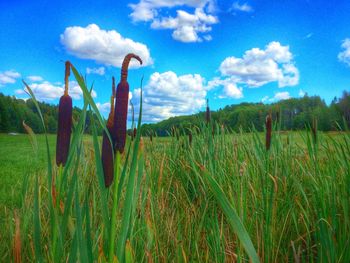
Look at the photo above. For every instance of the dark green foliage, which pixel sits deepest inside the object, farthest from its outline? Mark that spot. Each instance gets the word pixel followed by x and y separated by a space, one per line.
pixel 291 114
pixel 13 111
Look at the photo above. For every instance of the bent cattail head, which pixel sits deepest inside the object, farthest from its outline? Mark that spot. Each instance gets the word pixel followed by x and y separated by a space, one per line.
pixel 121 105
pixel 207 115
pixel 268 124
pixel 125 66
pixel 64 127
pixel 190 138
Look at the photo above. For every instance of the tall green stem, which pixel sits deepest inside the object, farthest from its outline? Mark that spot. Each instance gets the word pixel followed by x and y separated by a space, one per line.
pixel 114 210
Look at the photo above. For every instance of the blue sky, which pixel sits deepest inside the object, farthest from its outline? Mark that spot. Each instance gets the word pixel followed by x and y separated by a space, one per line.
pixel 227 51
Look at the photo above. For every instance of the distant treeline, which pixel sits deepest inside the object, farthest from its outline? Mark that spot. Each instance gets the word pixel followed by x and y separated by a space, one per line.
pixel 14 111
pixel 293 114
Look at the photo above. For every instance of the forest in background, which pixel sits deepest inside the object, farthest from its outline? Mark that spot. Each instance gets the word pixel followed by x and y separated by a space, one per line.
pixel 292 114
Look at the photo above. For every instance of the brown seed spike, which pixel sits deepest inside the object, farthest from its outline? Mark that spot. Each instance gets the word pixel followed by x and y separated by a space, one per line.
pixel 121 105
pixel 107 147
pixel 190 138
pixel 64 127
pixel 268 131
pixel 207 115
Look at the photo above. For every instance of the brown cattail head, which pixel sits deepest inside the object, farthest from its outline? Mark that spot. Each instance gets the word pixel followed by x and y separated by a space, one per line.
pixel 134 133
pixel 190 138
pixel 268 124
pixel 107 159
pixel 151 137
pixel 121 105
pixel 107 147
pixel 207 114
pixel 314 129
pixel 64 127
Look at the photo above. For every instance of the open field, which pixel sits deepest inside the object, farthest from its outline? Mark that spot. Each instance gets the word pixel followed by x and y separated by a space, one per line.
pixel 188 201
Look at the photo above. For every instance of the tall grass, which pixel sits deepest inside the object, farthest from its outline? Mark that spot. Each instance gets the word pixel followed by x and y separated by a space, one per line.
pixel 221 198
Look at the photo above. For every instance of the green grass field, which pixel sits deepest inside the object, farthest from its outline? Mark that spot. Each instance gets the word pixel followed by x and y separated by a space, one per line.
pixel 220 199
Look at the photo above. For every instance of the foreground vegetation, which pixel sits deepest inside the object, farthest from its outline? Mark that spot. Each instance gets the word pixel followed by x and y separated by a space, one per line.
pixel 292 200
pixel 209 196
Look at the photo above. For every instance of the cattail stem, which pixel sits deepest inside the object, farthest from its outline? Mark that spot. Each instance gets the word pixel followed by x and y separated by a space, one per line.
pixel 207 115
pixel 66 76
pixel 114 210
pixel 314 130
pixel 268 131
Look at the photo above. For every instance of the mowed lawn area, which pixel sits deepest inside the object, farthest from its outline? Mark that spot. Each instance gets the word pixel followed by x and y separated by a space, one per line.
pixel 18 158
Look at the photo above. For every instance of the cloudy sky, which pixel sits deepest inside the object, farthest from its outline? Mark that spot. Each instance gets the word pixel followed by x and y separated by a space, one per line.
pixel 227 51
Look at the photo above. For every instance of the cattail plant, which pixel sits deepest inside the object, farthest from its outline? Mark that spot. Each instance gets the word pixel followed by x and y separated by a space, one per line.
pixel 207 114
pixel 314 129
pixel 150 137
pixel 121 105
pixel 107 146
pixel 190 138
pixel 268 124
pixel 134 133
pixel 64 127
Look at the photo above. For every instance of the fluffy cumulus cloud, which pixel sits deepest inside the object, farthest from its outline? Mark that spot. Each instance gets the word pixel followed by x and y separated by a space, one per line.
pixel 186 26
pixel 230 88
pixel 47 91
pixel 8 77
pixel 258 67
pixel 99 71
pixel 103 46
pixel 344 56
pixel 167 95
pixel 244 7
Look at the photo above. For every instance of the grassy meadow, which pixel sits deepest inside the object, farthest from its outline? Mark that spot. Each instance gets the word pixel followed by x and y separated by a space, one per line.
pixel 222 198
pixel 209 196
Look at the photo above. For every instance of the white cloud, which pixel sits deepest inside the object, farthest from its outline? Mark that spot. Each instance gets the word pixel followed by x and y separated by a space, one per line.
pixel 46 91
pixel 35 78
pixel 186 26
pixel 104 108
pixel 264 99
pixel 236 6
pixel 278 96
pixel 99 71
pixel 282 95
pixel 230 89
pixel 105 47
pixel 8 77
pixel 344 56
pixel 258 67
pixel 167 95
pixel 301 93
